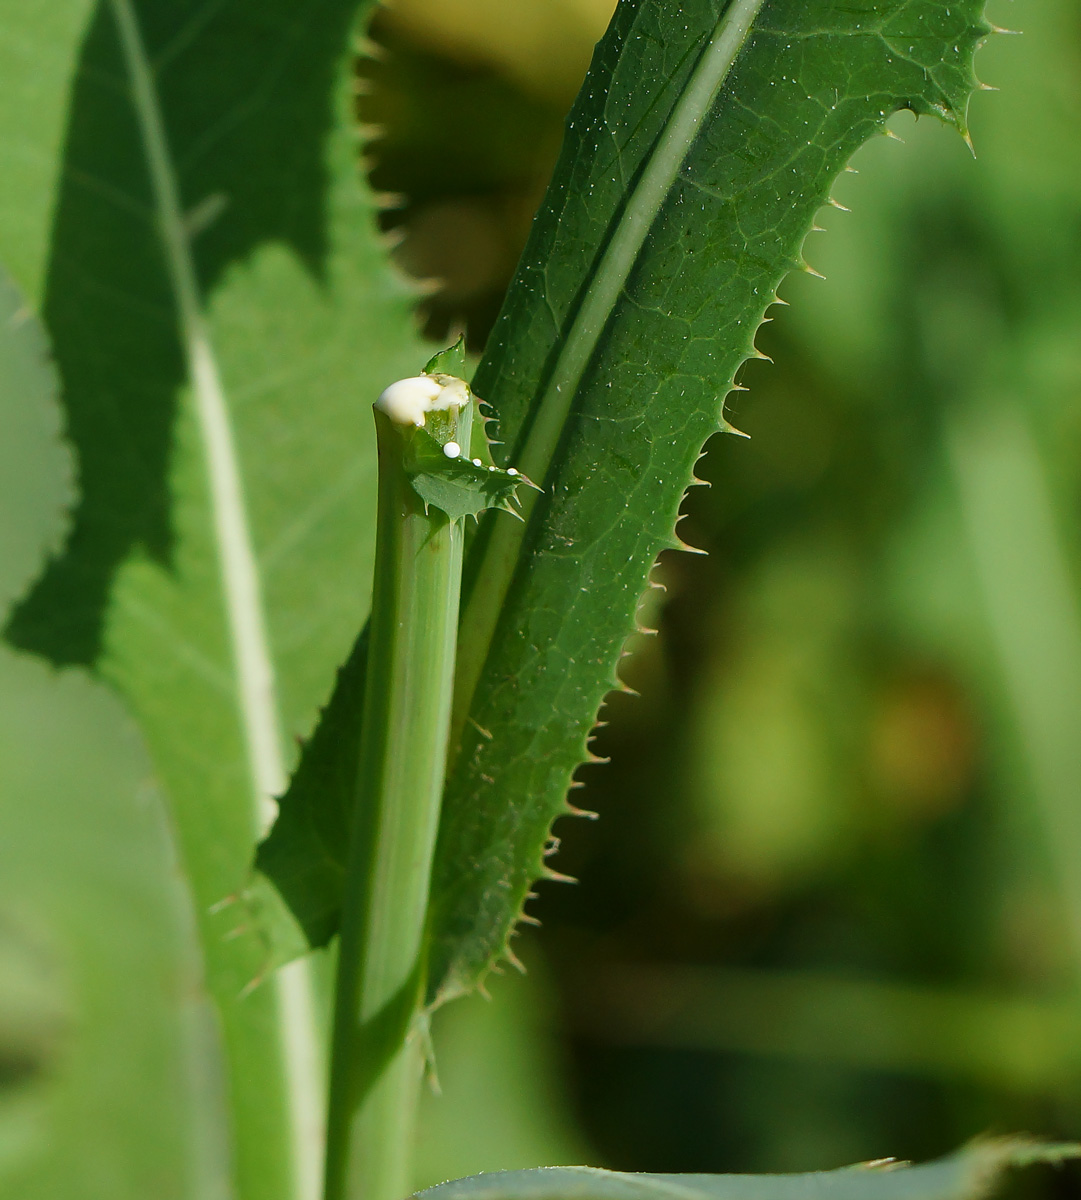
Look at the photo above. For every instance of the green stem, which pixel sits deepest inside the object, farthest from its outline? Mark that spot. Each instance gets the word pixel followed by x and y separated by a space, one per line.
pixel 377 1051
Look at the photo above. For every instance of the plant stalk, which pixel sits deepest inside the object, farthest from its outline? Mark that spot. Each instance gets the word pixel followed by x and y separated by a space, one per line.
pixel 377 1051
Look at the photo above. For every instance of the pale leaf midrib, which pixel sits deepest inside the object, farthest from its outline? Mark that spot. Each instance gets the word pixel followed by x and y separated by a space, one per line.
pixel 255 689
pixel 671 148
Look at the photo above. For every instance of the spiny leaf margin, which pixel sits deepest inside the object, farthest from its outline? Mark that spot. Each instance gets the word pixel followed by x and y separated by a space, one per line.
pixel 811 84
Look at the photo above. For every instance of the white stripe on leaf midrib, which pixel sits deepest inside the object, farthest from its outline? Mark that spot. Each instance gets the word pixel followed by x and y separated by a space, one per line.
pixel 255 686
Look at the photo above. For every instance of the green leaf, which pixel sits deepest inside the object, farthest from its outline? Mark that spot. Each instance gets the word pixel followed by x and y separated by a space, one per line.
pixel 459 486
pixel 965 1175
pixel 694 163
pixel 108 1052
pixel 222 315
pixel 110 1063
pixel 448 362
pixel 35 466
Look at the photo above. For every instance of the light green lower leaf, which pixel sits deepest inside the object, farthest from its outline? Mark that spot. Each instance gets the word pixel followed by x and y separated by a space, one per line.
pixel 110 1066
pixel 110 1084
pixel 222 314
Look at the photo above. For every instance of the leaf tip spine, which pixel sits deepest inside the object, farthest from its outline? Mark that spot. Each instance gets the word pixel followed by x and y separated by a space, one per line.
pixel 430 285
pixel 366 47
pixel 513 958
pixel 250 986
pixel 391 239
pixel 389 201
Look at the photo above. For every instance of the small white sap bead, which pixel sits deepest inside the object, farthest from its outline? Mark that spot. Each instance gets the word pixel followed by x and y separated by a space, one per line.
pixel 512 470
pixel 406 401
pixel 477 463
pixel 452 450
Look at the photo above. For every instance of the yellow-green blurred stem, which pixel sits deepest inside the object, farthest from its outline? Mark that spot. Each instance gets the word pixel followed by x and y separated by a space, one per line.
pixel 376 1053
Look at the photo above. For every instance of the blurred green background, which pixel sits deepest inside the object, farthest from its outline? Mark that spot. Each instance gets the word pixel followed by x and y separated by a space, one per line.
pixel 832 908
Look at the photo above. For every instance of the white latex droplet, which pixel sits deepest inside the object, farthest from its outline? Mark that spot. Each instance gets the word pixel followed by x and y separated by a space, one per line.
pixel 477 463
pixel 452 450
pixel 407 400
pixel 512 470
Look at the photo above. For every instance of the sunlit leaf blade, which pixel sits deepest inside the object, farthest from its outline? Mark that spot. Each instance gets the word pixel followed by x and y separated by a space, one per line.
pixel 607 404
pixel 210 221
pixel 965 1175
pixel 108 1055
pixel 35 466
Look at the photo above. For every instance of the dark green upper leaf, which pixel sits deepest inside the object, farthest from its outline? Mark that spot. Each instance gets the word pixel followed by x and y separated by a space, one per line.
pixel 608 405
